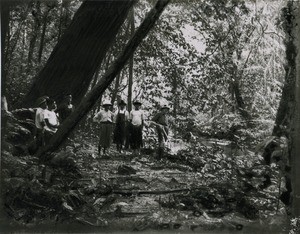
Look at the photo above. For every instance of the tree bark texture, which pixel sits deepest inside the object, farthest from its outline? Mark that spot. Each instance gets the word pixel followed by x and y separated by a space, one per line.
pixel 91 98
pixel 74 60
pixel 175 92
pixel 295 133
pixel 65 17
pixel 42 41
pixel 4 31
pixel 239 99
pixel 130 72
pixel 116 89
pixel 287 100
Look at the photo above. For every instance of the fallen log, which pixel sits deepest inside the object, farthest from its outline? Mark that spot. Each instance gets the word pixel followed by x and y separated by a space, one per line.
pixel 140 192
pixel 122 214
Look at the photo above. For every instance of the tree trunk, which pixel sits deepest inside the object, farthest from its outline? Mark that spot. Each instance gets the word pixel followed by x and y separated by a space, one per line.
pixel 42 41
pixel 175 93
pixel 288 114
pixel 286 104
pixel 64 18
pixel 91 98
pixel 116 88
pixel 295 126
pixel 60 22
pixel 75 58
pixel 37 24
pixel 15 38
pixel 239 99
pixel 130 72
pixel 24 47
pixel 45 22
pixel 106 62
pixel 5 5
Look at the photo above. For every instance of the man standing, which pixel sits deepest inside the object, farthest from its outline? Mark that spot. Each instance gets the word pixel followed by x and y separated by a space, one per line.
pixel 136 117
pixel 161 122
pixel 121 117
pixel 105 118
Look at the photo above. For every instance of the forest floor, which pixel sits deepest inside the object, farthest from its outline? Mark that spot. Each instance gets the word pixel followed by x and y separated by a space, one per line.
pixel 146 199
pixel 124 192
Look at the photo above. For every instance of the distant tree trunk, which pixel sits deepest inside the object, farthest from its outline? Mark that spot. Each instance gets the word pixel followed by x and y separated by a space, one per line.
pixel 174 83
pixel 65 17
pixel 116 88
pixel 24 47
pixel 236 93
pixel 11 45
pixel 130 73
pixel 36 13
pixel 42 41
pixel 239 99
pixel 295 120
pixel 82 47
pixel 91 98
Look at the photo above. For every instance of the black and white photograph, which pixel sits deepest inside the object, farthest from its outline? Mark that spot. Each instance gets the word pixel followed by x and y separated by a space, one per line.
pixel 150 116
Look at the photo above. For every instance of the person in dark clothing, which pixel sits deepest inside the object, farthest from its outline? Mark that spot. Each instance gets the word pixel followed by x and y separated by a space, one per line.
pixel 161 122
pixel 121 117
pixel 128 140
pixel 136 118
pixel 66 108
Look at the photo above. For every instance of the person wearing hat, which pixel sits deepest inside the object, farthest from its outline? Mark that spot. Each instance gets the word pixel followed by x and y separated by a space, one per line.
pixel 136 118
pixel 161 122
pixel 105 119
pixel 41 104
pixel 121 117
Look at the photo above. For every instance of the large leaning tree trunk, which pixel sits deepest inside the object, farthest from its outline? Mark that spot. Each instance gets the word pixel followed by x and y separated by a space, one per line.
pixel 91 98
pixel 295 123
pixel 286 105
pixel 74 60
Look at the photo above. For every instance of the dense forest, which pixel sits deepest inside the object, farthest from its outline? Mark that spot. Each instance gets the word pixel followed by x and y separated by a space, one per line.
pixel 227 70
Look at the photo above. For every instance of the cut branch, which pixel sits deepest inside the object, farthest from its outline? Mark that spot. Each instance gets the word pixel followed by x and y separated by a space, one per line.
pixel 139 192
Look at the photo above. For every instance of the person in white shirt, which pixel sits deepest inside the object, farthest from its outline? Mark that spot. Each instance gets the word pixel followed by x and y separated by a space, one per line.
pixel 136 117
pixel 40 121
pixel 105 119
pixel 51 120
pixel 121 117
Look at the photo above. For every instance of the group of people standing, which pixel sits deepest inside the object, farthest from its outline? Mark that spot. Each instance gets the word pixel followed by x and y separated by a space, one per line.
pixel 48 117
pixel 127 127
